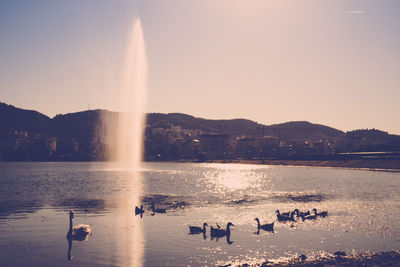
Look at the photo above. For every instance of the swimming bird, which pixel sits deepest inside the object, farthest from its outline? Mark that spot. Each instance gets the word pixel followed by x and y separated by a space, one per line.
pixel 139 211
pixel 217 232
pixel 197 230
pixel 79 232
pixel 158 210
pixel 300 214
pixel 322 213
pixel 282 218
pixel 266 227
pixel 286 214
pixel 309 217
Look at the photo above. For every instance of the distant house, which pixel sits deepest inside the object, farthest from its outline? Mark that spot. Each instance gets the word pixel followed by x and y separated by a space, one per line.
pixel 246 147
pixel 268 145
pixel 214 146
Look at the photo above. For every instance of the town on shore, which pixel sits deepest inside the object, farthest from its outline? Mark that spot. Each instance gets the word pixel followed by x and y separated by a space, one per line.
pixel 27 135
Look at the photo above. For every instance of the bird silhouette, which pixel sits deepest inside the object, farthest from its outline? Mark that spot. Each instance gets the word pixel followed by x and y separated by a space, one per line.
pixel 266 227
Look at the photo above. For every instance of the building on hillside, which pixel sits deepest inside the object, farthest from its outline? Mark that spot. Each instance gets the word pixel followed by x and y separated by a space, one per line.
pixel 214 146
pixel 246 147
pixel 268 146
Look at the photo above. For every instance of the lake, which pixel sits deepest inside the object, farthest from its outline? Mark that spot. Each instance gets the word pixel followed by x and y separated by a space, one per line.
pixel 35 200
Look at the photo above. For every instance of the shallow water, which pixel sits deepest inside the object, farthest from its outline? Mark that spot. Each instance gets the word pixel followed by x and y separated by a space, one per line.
pixel 35 199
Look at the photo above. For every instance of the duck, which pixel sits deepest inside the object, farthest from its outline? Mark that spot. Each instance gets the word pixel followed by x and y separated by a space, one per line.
pixel 286 214
pixel 322 213
pixel 266 227
pixel 218 232
pixel 154 210
pixel 309 217
pixel 197 230
pixel 139 211
pixel 79 232
pixel 282 218
pixel 300 214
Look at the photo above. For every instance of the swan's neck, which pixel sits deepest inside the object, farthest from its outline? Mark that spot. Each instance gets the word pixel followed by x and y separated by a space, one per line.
pixel 258 224
pixel 70 223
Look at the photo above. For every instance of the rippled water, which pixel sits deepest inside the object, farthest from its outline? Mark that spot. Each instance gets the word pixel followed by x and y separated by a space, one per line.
pixel 35 199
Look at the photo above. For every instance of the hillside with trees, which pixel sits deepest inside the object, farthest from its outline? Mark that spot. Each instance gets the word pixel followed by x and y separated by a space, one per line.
pixel 27 135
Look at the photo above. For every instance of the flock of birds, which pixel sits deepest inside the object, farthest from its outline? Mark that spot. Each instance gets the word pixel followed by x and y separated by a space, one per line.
pixel 218 232
pixel 81 232
pixel 154 210
pixel 269 227
pixel 215 232
pixel 289 216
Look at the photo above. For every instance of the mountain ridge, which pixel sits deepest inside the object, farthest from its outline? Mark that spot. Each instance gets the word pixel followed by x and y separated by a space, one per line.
pixel 31 135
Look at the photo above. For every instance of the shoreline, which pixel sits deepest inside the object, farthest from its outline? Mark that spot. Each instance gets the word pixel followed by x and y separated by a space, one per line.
pixel 339 258
pixel 387 165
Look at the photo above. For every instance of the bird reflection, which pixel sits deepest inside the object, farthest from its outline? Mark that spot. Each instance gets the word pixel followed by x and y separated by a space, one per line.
pixel 79 232
pixel 69 256
pixel 218 233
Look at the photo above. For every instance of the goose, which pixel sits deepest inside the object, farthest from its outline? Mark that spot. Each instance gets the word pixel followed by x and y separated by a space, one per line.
pixel 286 214
pixel 79 232
pixel 322 213
pixel 300 214
pixel 217 232
pixel 197 230
pixel 282 218
pixel 139 211
pixel 309 217
pixel 266 227
pixel 154 210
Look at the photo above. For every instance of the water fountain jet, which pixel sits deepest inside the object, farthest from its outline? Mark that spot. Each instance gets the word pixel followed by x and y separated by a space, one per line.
pixel 124 133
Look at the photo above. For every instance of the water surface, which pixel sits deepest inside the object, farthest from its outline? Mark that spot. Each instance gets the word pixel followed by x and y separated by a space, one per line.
pixel 35 199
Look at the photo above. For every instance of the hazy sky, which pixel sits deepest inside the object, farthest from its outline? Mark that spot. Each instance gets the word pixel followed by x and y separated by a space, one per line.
pixel 330 62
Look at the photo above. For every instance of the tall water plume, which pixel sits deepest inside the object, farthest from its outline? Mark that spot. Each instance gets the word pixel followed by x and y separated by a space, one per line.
pixel 123 135
pixel 126 135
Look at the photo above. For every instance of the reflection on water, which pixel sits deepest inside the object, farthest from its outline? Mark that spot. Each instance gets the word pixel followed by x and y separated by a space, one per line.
pixel 35 199
pixel 130 235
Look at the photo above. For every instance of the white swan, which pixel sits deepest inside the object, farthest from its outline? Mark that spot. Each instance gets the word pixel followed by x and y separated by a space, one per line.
pixel 79 232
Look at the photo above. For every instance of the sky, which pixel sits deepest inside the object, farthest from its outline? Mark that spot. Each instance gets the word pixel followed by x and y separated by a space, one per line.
pixel 332 62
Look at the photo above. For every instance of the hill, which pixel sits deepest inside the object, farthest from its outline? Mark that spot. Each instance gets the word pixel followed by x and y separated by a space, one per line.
pixel 30 135
pixel 290 131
